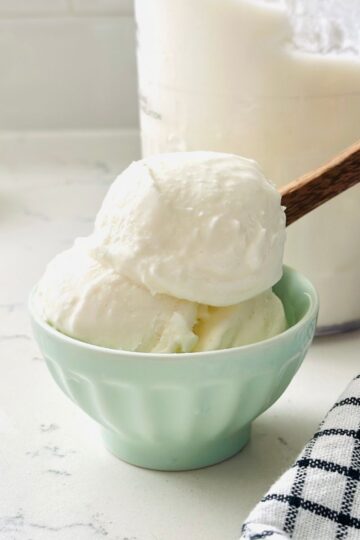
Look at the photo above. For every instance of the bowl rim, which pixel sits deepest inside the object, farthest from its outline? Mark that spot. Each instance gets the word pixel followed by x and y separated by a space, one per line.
pixel 310 313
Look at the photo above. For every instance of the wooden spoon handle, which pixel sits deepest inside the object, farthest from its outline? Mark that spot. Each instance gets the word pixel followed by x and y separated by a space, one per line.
pixel 315 188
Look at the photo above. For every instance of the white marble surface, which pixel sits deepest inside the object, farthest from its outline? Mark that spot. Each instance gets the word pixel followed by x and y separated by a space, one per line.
pixel 56 479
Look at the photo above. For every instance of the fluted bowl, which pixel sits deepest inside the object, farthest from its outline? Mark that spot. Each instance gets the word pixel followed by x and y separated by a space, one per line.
pixel 182 411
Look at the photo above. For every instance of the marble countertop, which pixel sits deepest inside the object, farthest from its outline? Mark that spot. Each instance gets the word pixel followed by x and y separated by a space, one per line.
pixel 56 480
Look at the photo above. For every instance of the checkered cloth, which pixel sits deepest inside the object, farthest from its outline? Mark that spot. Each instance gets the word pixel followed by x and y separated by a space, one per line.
pixel 319 497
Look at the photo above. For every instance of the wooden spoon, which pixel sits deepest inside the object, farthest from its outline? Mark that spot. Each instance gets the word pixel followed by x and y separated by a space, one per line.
pixel 315 188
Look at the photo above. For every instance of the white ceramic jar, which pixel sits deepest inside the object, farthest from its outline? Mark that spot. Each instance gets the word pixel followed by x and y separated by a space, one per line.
pixel 225 75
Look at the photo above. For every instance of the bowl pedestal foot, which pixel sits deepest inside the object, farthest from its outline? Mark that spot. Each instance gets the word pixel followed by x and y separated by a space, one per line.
pixel 171 456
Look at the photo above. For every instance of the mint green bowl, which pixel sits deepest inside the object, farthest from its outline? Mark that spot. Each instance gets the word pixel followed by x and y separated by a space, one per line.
pixel 182 411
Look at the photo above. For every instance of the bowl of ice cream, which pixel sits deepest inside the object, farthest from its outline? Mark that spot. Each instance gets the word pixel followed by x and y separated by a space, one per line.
pixel 174 324
pixel 182 411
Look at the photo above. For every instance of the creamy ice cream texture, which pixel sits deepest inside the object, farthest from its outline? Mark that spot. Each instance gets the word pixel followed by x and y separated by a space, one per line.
pixel 185 250
pixel 201 226
pixel 90 301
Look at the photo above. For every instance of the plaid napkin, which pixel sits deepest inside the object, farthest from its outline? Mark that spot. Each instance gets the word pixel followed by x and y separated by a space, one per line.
pixel 319 497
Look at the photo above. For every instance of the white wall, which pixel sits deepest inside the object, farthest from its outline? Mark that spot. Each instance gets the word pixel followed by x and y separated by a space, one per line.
pixel 67 64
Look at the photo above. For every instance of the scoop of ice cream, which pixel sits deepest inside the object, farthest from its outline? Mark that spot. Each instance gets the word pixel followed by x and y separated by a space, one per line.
pixel 185 249
pixel 201 226
pixel 251 321
pixel 90 301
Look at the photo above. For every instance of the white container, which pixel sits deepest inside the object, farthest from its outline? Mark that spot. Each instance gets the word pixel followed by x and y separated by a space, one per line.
pixel 225 75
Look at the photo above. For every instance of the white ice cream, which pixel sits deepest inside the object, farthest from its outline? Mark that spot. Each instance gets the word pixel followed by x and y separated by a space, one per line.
pixel 242 324
pixel 201 226
pixel 175 234
pixel 91 302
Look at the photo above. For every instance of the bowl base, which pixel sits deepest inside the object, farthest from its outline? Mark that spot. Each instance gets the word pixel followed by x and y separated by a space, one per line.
pixel 165 457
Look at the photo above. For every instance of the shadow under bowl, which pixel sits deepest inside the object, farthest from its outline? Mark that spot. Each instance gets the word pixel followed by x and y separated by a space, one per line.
pixel 182 411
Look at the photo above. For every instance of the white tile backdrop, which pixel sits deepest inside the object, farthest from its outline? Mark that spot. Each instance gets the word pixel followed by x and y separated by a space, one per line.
pixel 33 7
pixel 67 64
pixel 124 7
